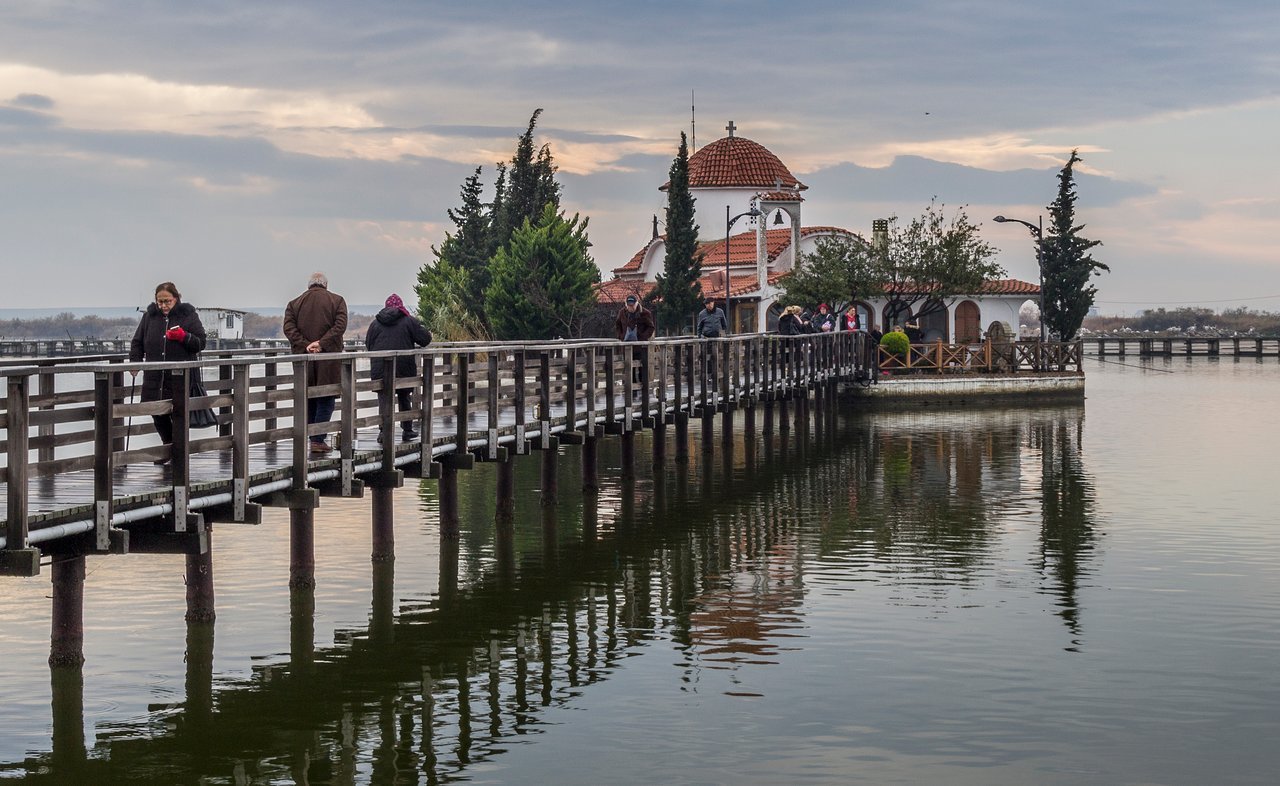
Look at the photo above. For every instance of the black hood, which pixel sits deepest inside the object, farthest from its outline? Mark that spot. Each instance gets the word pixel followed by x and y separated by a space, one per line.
pixel 390 316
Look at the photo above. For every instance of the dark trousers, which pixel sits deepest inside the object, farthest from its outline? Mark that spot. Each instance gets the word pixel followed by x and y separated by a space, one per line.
pixel 319 410
pixel 164 427
pixel 404 402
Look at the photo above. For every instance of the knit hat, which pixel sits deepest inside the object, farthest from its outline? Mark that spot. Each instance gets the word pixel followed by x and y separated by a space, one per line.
pixel 395 302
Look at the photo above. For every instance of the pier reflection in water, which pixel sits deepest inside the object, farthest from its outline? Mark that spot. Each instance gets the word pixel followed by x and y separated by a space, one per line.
pixel 903 598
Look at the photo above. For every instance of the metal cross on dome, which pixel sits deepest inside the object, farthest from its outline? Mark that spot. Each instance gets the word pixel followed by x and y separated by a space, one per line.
pixel 731 128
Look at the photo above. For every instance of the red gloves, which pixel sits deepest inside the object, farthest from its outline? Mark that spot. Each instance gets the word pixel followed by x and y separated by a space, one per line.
pixel 175 334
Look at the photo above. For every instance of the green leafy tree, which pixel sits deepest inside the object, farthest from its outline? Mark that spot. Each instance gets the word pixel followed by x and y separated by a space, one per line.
pixel 838 271
pixel 1068 266
pixel 543 282
pixel 678 294
pixel 445 305
pixel 933 260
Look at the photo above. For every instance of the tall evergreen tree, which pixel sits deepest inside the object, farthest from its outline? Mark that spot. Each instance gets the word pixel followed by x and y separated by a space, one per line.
pixel 543 280
pixel 678 295
pixel 531 182
pixel 1067 266
pixel 468 248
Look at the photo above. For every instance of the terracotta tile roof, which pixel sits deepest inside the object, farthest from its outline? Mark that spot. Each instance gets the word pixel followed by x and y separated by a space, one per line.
pixel 781 196
pixel 742 247
pixel 1009 286
pixel 637 259
pixel 615 290
pixel 737 162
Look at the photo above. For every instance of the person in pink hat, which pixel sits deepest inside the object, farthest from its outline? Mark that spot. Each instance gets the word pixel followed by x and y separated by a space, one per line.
pixel 395 328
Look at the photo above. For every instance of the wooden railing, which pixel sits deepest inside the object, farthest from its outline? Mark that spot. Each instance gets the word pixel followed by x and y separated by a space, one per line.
pixel 989 357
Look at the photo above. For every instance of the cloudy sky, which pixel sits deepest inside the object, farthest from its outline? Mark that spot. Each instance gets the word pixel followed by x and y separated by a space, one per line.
pixel 235 146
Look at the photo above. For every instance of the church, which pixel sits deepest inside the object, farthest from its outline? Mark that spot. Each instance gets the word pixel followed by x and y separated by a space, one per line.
pixel 759 194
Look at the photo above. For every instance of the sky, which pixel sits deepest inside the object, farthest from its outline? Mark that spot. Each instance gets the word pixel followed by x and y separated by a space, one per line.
pixel 234 147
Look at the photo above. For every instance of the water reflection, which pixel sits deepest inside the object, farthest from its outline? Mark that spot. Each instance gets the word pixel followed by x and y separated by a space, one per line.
pixel 1067 509
pixel 530 613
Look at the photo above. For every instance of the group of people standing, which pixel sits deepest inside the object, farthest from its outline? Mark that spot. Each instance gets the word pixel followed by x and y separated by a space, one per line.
pixel 796 321
pixel 315 322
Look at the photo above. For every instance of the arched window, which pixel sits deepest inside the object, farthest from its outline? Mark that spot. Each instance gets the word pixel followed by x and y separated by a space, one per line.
pixel 896 315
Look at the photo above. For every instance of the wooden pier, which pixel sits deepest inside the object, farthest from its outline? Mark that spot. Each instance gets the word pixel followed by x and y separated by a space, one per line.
pixel 84 474
pixel 1183 346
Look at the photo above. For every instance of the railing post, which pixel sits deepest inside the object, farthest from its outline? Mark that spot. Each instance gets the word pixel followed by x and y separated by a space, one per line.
pixel 240 440
pixel 491 413
pixel 521 383
pixel 17 559
pixel 103 459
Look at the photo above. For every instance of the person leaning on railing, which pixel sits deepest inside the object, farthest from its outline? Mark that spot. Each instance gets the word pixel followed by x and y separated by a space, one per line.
pixel 169 330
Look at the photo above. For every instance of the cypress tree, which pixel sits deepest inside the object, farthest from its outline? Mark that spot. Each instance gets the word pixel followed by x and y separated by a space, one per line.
pixel 530 183
pixel 468 248
pixel 678 293
pixel 1068 266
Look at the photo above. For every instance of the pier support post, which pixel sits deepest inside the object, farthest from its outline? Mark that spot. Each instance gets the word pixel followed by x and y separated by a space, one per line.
pixel 590 464
pixel 506 488
pixel 708 430
pixel 199 677
pixel 68 759
pixel 659 444
pixel 66 642
pixel 450 524
pixel 384 520
pixel 200 603
pixel 382 615
pixel 302 548
pixel 302 630
pixel 550 484
pixel 784 416
pixel 682 436
pixel 628 454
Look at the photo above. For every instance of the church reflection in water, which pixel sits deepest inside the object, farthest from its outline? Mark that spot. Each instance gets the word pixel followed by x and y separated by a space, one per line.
pixel 712 555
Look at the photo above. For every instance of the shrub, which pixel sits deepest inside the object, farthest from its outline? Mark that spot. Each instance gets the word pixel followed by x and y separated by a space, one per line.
pixel 895 343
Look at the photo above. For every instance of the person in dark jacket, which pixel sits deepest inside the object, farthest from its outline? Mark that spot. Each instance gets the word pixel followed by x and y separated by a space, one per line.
pixel 823 321
pixel 789 323
pixel 634 321
pixel 711 321
pixel 395 328
pixel 314 322
pixel 169 330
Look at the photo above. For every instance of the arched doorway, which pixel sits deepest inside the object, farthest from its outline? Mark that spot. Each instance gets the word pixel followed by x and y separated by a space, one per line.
pixel 933 325
pixel 968 323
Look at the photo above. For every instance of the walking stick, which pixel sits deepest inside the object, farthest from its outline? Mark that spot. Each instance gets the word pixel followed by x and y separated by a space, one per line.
pixel 128 426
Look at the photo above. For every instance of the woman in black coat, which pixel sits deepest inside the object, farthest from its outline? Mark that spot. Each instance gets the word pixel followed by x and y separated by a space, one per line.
pixel 169 330
pixel 395 328
pixel 789 324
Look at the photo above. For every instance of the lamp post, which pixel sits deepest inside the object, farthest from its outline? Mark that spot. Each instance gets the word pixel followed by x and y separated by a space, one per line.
pixel 728 229
pixel 1038 231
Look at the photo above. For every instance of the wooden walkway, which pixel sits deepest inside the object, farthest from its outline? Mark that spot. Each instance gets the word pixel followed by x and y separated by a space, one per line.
pixel 79 448
pixel 1185 346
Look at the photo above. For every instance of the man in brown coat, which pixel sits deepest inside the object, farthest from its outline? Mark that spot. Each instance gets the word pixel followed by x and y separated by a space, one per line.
pixel 314 322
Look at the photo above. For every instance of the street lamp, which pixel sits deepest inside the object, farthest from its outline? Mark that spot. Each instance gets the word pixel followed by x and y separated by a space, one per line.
pixel 1038 232
pixel 728 229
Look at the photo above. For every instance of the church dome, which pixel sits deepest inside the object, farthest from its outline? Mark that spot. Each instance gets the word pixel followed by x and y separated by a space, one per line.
pixel 738 162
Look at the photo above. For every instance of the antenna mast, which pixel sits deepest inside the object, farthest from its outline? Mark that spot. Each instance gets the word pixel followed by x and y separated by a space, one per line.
pixel 693 122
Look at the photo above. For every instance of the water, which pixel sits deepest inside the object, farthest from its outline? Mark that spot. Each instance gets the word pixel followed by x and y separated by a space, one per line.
pixel 1064 595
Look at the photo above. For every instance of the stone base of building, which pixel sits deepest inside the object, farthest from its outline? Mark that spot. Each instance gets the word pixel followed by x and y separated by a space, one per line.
pixel 928 390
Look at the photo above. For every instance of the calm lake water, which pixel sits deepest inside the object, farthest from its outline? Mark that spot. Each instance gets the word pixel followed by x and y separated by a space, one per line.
pixel 1066 595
